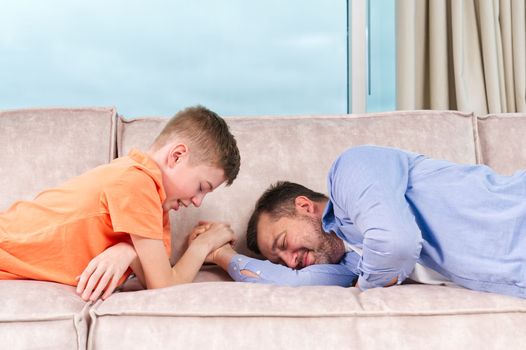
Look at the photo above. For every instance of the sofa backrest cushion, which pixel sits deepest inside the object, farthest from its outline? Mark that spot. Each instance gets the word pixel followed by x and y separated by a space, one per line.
pixel 301 149
pixel 502 140
pixel 43 147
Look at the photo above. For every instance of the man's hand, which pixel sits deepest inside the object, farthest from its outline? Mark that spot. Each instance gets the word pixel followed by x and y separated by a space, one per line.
pixel 222 256
pixel 104 272
pixel 391 283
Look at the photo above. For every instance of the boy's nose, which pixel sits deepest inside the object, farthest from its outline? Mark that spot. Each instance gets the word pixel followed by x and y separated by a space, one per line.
pixel 197 200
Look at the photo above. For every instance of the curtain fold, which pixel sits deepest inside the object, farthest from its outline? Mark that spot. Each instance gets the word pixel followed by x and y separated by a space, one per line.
pixel 467 55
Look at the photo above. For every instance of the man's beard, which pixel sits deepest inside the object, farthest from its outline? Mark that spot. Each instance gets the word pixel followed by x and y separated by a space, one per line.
pixel 329 249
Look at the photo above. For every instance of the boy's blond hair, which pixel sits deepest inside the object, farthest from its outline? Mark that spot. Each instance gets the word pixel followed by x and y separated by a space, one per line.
pixel 208 137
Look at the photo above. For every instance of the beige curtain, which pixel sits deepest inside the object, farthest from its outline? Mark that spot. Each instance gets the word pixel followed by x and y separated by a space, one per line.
pixel 467 55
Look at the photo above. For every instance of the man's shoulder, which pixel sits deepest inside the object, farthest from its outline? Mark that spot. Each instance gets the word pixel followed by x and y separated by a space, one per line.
pixel 368 153
pixel 365 156
pixel 359 168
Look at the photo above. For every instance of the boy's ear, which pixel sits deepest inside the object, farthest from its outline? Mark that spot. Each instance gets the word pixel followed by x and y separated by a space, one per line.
pixel 304 204
pixel 176 152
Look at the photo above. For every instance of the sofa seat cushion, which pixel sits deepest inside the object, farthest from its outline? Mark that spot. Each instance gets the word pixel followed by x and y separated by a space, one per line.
pixel 225 315
pixel 35 315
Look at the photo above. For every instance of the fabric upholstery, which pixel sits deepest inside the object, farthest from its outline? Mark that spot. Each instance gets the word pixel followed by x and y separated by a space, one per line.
pixel 301 149
pixel 502 141
pixel 43 147
pixel 41 315
pixel 272 317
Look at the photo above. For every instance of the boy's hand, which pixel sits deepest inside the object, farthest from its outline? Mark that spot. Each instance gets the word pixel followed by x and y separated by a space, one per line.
pixel 198 229
pixel 104 271
pixel 211 236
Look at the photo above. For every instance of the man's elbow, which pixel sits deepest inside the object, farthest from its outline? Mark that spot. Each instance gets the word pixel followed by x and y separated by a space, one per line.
pixel 405 250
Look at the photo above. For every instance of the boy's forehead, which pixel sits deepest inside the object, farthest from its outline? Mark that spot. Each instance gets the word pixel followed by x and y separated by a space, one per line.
pixel 213 175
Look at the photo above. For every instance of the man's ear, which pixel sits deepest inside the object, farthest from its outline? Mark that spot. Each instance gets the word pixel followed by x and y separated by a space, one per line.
pixel 176 152
pixel 304 205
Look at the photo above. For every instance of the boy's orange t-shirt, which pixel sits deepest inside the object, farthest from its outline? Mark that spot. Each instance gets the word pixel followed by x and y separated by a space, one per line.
pixel 54 236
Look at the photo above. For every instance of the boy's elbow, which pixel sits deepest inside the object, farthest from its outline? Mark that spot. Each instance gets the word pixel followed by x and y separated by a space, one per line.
pixel 156 285
pixel 171 280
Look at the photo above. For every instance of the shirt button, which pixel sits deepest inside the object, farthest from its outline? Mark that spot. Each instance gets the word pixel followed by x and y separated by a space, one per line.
pixel 235 268
pixel 239 259
pixel 258 272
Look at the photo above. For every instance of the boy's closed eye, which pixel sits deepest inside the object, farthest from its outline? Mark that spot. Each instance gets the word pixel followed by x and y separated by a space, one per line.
pixel 206 187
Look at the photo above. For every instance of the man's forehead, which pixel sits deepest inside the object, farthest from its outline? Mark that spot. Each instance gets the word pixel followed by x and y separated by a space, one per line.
pixel 265 235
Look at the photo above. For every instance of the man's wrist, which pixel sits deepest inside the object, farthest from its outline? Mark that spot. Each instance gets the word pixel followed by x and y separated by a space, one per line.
pixel 223 256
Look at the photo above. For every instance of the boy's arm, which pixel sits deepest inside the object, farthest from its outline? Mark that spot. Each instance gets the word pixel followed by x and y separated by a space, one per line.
pixel 156 266
pixel 137 270
pixel 104 271
pixel 155 263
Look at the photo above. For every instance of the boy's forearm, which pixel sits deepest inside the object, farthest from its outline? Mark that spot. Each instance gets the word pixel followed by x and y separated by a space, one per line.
pixel 157 270
pixel 185 270
pixel 138 271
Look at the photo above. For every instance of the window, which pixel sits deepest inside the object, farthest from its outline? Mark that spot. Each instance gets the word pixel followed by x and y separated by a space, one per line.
pixel 372 55
pixel 260 57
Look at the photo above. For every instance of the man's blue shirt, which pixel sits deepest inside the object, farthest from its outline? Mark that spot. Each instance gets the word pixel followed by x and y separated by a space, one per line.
pixel 464 221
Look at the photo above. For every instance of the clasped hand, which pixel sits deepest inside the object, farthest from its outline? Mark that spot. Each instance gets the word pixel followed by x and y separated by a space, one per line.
pixel 213 236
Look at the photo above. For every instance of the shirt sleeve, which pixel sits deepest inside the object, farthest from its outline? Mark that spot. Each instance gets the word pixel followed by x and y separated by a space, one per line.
pixel 269 273
pixel 368 184
pixel 134 205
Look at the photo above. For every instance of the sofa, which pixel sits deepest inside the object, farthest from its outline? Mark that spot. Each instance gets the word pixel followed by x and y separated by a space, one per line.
pixel 43 147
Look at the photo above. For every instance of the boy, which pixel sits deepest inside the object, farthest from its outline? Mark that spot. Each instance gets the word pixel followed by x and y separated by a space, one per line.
pixel 54 236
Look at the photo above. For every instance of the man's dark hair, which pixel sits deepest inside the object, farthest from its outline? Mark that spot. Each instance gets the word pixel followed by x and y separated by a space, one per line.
pixel 278 201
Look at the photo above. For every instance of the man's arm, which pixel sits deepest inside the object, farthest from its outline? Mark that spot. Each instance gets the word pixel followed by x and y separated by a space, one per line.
pixel 245 269
pixel 389 284
pixel 368 185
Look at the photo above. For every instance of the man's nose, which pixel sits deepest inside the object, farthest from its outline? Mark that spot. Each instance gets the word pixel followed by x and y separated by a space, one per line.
pixel 290 258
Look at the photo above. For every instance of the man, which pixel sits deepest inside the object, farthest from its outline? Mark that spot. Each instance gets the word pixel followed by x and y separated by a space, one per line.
pixel 391 215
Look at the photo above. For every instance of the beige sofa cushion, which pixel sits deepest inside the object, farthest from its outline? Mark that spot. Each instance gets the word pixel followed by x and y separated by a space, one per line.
pixel 199 316
pixel 502 140
pixel 301 149
pixel 43 147
pixel 41 315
